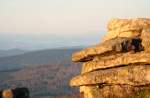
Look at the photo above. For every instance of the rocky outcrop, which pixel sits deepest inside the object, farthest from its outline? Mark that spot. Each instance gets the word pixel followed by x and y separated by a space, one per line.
pixel 119 67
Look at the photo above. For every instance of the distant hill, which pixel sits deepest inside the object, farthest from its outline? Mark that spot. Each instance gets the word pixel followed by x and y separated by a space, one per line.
pixel 11 52
pixel 45 72
pixel 34 58
pixel 45 80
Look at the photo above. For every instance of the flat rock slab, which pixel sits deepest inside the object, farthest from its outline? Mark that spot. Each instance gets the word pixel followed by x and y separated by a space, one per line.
pixel 116 60
pixel 116 91
pixel 108 47
pixel 128 75
pixel 121 33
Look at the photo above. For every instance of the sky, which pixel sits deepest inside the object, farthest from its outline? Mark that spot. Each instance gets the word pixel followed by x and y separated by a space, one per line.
pixel 37 24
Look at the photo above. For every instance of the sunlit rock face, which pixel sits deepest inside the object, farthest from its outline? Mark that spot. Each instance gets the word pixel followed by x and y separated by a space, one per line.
pixel 135 75
pixel 119 67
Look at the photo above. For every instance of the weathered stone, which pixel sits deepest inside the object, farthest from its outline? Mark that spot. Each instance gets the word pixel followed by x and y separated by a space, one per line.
pixel 115 91
pixel 126 27
pixel 146 38
pixel 129 75
pixel 116 60
pixel 120 66
pixel 90 92
pixel 128 24
pixel 119 33
pixel 108 47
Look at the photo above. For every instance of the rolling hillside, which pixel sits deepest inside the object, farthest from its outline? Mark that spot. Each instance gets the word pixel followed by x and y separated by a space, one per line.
pixel 11 52
pixel 35 58
pixel 45 72
pixel 45 80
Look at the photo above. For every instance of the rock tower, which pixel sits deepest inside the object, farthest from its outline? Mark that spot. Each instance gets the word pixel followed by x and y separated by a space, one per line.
pixel 118 67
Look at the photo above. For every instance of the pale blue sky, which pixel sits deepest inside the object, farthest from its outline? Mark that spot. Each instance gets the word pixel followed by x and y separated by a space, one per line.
pixel 63 18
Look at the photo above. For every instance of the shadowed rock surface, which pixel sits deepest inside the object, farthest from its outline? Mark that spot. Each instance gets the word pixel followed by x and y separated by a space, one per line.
pixel 108 47
pixel 115 91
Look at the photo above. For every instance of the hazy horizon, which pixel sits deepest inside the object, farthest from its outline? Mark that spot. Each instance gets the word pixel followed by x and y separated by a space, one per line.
pixel 40 24
pixel 46 41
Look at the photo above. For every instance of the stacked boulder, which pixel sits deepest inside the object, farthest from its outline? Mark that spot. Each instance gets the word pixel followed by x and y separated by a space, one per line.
pixel 119 67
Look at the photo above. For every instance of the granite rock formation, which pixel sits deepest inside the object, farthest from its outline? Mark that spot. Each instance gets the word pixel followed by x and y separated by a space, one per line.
pixel 119 67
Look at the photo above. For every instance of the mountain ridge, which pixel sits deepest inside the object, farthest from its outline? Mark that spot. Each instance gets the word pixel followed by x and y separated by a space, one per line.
pixel 33 58
pixel 12 52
